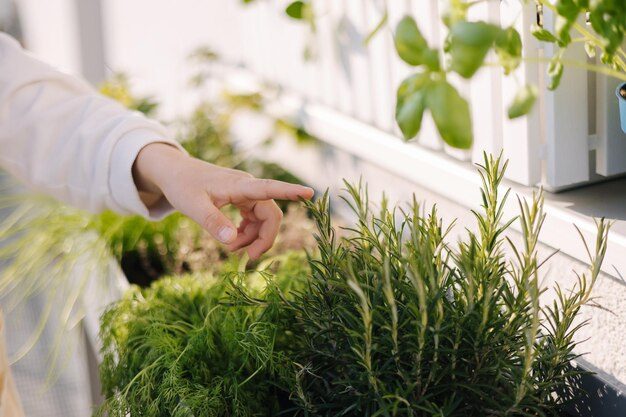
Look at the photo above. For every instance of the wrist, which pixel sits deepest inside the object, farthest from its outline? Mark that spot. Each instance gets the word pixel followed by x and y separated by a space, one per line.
pixel 153 164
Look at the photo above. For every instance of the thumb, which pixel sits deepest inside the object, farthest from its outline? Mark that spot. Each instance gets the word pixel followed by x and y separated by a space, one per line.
pixel 218 225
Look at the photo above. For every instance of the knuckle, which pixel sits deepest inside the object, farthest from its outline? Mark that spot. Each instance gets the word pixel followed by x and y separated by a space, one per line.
pixel 210 219
pixel 242 180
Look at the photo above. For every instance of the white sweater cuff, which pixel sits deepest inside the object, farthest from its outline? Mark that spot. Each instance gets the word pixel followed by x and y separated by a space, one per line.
pixel 122 186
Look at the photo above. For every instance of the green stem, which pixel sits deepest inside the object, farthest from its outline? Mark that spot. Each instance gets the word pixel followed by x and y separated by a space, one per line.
pixel 590 67
pixel 379 26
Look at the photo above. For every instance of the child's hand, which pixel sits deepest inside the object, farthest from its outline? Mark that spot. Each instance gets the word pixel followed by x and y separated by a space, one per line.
pixel 199 190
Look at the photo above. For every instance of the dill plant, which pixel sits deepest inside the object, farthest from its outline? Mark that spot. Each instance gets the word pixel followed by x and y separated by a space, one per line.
pixel 395 321
pixel 183 348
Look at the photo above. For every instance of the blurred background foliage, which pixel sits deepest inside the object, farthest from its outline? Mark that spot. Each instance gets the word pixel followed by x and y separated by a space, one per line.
pixel 53 249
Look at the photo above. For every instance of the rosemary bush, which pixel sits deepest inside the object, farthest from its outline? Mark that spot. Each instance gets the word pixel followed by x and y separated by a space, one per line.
pixel 395 321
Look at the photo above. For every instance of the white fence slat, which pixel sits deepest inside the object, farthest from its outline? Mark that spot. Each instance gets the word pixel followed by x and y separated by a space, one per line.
pixel 250 48
pixel 92 54
pixel 611 150
pixel 567 121
pixel 486 94
pixel 341 70
pixel 263 42
pixel 300 75
pixel 272 53
pixel 383 93
pixel 229 43
pixel 356 29
pixel 51 32
pixel 212 33
pixel 521 137
pixel 326 53
pixel 285 47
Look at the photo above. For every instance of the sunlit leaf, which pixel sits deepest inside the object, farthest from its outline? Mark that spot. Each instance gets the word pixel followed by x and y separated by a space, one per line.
pixel 409 41
pixel 451 114
pixel 543 34
pixel 410 104
pixel 509 49
pixel 296 10
pixel 523 101
pixel 555 72
pixel 468 45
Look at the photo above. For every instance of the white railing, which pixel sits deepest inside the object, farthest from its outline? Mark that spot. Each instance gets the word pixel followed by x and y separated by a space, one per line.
pixel 551 146
pixel 571 137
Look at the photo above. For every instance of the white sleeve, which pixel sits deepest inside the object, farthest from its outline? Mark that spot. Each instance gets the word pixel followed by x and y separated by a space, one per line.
pixel 62 138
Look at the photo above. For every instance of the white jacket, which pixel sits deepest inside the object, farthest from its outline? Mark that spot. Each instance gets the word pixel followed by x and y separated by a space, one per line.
pixel 62 138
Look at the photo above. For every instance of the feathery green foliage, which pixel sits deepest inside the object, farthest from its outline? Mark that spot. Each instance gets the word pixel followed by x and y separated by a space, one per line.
pixel 181 348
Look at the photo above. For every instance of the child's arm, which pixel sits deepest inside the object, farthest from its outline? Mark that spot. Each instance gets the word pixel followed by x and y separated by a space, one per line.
pixel 61 137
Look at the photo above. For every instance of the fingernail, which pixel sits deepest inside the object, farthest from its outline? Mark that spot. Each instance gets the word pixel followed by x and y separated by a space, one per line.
pixel 225 234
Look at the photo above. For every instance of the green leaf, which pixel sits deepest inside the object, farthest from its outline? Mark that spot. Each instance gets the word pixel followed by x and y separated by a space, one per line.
pixel 509 49
pixel 562 29
pixel 469 43
pixel 608 19
pixel 555 72
pixel 523 101
pixel 590 49
pixel 409 42
pixel 542 34
pixel 451 114
pixel 411 103
pixel 569 9
pixel 296 9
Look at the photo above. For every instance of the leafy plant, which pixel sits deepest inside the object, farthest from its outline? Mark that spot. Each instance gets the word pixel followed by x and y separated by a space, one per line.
pixel 607 21
pixel 465 49
pixel 467 44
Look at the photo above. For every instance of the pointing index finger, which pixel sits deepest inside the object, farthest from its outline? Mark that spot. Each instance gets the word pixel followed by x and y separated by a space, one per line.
pixel 266 189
